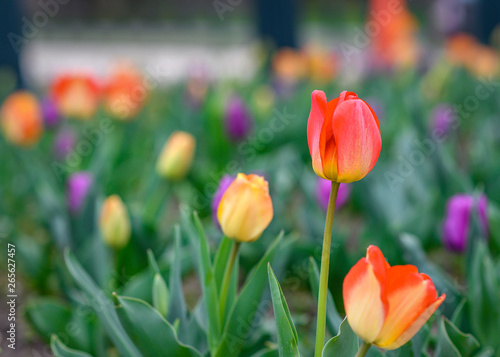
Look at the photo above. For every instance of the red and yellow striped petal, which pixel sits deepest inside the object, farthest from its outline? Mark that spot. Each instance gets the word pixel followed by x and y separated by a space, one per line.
pixel 357 138
pixel 410 295
pixel 364 296
pixel 314 128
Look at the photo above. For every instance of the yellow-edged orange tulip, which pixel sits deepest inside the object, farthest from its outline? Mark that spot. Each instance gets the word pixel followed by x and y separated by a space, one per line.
pixel 21 119
pixel 76 96
pixel 125 93
pixel 386 306
pixel 177 155
pixel 245 209
pixel 343 136
pixel 114 222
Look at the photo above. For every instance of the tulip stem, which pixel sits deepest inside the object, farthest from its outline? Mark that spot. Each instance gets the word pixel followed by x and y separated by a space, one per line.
pixel 365 346
pixel 325 267
pixel 226 280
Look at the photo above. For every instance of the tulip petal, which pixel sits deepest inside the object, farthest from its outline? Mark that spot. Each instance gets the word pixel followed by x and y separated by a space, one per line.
pixel 410 294
pixel 357 139
pixel 314 125
pixel 416 325
pixel 363 295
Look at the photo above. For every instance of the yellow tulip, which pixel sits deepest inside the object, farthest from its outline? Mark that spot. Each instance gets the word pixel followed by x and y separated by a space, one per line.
pixel 176 157
pixel 114 222
pixel 245 209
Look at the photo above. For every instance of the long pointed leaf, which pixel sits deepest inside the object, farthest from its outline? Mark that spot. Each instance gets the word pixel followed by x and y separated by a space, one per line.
pixel 345 344
pixel 103 307
pixel 287 334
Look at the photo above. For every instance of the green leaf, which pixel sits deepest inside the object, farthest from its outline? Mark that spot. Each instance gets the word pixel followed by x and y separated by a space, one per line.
pixel 445 347
pixel 333 318
pixel 288 340
pixel 209 287
pixel 48 316
pixel 103 307
pixel 153 335
pixel 177 308
pixel 59 349
pixel 345 344
pixel 465 343
pixel 242 315
pixel 483 296
pixel 221 259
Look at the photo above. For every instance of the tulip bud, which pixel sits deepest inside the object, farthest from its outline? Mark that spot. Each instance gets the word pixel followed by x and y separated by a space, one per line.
pixel 64 143
pixel 245 209
pixel 343 136
pixel 323 189
pixel 50 113
pixel 456 227
pixel 238 120
pixel 176 157
pixel 442 117
pixel 224 183
pixel 386 306
pixel 21 119
pixel 114 222
pixel 125 93
pixel 78 188
pixel 161 296
pixel 76 96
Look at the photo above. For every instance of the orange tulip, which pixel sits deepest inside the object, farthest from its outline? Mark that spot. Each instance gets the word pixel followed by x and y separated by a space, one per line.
pixel 386 306
pixel 343 137
pixel 76 96
pixel 21 119
pixel 125 93
pixel 245 209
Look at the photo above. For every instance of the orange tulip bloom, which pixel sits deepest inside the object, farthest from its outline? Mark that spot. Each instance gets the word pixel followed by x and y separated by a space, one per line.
pixel 76 96
pixel 21 119
pixel 343 137
pixel 386 306
pixel 245 209
pixel 125 93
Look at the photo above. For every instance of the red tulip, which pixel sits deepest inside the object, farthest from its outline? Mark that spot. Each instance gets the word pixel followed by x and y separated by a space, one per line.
pixel 343 136
pixel 386 306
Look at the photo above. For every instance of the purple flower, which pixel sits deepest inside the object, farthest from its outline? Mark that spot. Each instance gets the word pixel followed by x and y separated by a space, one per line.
pixel 442 117
pixel 237 119
pixel 323 189
pixel 224 183
pixel 64 143
pixel 78 187
pixel 50 113
pixel 457 220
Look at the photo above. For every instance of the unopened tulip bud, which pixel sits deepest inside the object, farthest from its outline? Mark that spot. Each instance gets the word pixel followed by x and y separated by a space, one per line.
pixel 238 119
pixel 176 157
pixel 456 227
pixel 114 222
pixel 21 119
pixel 442 117
pixel 161 296
pixel 78 188
pixel 343 136
pixel 64 143
pixel 245 209
pixel 50 113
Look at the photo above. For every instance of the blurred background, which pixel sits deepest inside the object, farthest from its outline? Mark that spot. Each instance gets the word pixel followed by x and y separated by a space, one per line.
pixel 92 92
